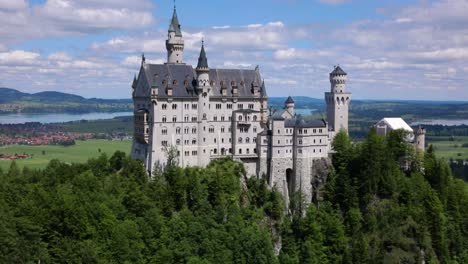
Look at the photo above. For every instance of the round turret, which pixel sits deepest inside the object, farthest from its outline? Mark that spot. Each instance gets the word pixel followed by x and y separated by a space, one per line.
pixel 338 79
pixel 289 105
pixel 420 138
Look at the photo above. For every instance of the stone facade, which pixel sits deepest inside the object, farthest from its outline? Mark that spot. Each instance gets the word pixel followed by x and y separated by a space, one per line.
pixel 205 114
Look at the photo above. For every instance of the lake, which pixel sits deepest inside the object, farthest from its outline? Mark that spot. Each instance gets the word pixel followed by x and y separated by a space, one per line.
pixel 56 117
pixel 445 122
pixel 304 112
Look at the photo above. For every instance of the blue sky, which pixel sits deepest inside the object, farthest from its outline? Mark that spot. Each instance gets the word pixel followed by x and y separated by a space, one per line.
pixel 412 49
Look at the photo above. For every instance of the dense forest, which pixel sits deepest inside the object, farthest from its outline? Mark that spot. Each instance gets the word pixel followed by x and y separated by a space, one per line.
pixel 108 211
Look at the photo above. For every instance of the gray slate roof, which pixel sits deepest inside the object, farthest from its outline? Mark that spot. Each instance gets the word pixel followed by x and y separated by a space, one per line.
pixel 278 115
pixel 304 123
pixel 202 60
pixel 338 71
pixel 185 83
pixel 175 26
pixel 289 100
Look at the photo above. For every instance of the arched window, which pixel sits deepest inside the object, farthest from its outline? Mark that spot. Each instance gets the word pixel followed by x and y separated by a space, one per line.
pixel 178 142
pixel 177 130
pixel 247 140
pixel 254 118
pixel 239 140
pixel 240 118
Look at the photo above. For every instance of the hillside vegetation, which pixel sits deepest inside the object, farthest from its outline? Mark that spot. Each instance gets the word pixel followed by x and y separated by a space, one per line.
pixel 107 211
pixel 12 100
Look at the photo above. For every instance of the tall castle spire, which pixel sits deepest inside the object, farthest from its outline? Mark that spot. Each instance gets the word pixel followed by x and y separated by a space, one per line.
pixel 202 60
pixel 203 70
pixel 174 42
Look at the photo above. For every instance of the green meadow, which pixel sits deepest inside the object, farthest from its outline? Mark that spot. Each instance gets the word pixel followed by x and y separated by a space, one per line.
pixel 447 148
pixel 79 153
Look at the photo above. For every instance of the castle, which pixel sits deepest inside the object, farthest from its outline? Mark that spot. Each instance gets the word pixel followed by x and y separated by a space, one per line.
pixel 208 114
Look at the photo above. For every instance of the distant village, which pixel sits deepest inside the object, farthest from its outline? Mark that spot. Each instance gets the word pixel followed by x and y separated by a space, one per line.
pixel 38 134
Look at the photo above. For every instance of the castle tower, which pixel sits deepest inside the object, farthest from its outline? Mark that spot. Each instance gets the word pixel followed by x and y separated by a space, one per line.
pixel 289 105
pixel 420 138
pixel 338 101
pixel 203 91
pixel 174 42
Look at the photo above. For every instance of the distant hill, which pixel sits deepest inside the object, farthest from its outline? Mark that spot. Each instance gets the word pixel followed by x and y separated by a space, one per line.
pixel 12 100
pixel 8 96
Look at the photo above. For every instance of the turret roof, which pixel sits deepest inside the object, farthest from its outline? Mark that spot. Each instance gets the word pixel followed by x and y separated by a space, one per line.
pixel 175 26
pixel 289 100
pixel 338 71
pixel 202 60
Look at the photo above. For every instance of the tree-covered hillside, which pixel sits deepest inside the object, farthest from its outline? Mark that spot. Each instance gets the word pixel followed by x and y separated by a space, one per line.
pixel 12 100
pixel 108 211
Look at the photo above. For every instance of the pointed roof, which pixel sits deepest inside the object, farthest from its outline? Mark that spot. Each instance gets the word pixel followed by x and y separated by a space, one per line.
pixel 134 81
pixel 175 26
pixel 338 71
pixel 202 60
pixel 289 100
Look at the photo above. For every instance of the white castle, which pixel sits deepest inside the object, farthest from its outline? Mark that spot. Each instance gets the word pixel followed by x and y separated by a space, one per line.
pixel 209 114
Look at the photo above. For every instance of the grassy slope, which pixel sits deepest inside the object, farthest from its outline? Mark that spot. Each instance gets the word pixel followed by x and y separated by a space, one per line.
pixel 82 151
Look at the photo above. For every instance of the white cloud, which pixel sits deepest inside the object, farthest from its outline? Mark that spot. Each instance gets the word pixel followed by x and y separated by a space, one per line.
pixel 18 57
pixel 460 53
pixel 54 18
pixel 220 27
pixel 74 16
pixel 334 2
pixel 59 56
pixel 403 55
pixel 13 4
pixel 231 64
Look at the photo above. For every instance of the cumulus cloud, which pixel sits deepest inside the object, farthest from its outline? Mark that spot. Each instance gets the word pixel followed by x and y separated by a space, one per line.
pixel 18 57
pixel 413 52
pixel 55 18
pixel 13 4
pixel 89 16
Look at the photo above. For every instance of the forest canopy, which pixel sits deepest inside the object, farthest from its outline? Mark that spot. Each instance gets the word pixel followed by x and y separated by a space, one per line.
pixel 107 210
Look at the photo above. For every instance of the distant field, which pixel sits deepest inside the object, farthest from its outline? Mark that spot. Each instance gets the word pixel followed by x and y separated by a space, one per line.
pixel 123 124
pixel 445 148
pixel 81 152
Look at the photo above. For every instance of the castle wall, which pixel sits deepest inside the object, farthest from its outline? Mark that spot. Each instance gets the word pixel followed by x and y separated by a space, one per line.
pixel 278 175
